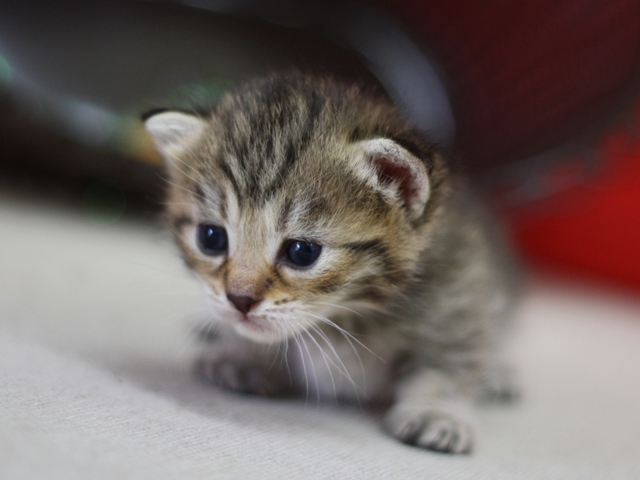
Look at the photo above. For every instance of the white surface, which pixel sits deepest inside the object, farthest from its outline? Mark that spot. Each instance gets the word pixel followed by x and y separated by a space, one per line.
pixel 95 380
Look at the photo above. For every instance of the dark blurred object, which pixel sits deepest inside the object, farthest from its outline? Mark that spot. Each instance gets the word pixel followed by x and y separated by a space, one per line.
pixel 526 77
pixel 37 157
pixel 122 55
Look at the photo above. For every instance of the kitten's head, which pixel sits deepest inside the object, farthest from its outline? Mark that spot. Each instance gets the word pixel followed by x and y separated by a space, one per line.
pixel 296 198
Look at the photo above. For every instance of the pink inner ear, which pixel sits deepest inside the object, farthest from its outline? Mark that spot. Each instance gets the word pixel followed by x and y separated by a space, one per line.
pixel 392 172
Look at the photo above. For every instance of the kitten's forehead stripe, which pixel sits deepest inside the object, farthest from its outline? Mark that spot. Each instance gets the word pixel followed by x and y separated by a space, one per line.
pixel 282 173
pixel 266 133
pixel 232 179
pixel 198 191
pixel 283 218
pixel 222 208
pixel 318 206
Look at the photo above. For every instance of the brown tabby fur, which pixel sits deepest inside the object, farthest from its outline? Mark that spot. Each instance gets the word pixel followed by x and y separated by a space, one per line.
pixel 403 308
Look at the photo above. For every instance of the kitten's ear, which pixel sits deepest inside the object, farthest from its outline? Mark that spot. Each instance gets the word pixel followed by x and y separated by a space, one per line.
pixel 397 173
pixel 172 131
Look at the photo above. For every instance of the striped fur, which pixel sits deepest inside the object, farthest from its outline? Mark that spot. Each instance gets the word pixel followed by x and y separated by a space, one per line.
pixel 410 297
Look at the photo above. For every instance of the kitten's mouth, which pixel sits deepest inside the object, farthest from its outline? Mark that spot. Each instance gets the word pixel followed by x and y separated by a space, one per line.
pixel 251 323
pixel 259 329
pixel 255 328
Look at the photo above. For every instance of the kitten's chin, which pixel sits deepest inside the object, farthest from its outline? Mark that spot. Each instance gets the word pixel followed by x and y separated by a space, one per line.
pixel 260 333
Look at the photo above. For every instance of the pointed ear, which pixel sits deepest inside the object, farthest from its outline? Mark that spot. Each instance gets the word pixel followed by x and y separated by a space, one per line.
pixel 397 173
pixel 172 131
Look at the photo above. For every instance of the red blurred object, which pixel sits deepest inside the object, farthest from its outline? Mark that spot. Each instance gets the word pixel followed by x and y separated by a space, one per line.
pixel 591 229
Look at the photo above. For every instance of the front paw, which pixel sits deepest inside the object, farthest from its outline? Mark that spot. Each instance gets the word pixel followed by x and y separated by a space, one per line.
pixel 430 428
pixel 239 377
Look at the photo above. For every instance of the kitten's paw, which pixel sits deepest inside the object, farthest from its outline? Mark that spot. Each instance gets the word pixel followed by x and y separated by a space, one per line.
pixel 252 379
pixel 432 429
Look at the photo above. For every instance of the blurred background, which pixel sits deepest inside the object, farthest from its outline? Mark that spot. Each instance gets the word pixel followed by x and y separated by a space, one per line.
pixel 539 101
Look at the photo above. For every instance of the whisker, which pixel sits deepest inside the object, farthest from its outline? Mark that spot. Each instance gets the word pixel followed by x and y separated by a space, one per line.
pixel 313 368
pixel 286 363
pixel 338 306
pixel 344 369
pixel 296 337
pixel 324 356
pixel 347 335
pixel 211 327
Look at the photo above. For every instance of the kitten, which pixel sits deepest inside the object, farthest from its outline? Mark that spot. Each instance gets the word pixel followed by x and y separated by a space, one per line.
pixel 321 225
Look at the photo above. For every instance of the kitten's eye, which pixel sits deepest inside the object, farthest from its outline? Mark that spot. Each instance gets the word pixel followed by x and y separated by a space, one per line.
pixel 212 240
pixel 303 254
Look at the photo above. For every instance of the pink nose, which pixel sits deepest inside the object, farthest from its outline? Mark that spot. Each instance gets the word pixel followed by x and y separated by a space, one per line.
pixel 243 304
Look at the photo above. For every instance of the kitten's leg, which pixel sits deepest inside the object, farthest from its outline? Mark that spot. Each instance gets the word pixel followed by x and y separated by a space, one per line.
pixel 244 366
pixel 432 411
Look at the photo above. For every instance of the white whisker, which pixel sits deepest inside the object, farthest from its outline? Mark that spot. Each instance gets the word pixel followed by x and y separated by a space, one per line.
pixel 324 356
pixel 338 306
pixel 343 369
pixel 347 335
pixel 313 367
pixel 296 337
pixel 286 362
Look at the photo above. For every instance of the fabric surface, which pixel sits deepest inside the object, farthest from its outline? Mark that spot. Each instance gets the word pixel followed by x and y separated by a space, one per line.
pixel 95 377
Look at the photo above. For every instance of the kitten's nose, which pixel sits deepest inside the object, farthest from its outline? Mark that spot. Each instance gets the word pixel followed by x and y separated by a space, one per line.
pixel 243 304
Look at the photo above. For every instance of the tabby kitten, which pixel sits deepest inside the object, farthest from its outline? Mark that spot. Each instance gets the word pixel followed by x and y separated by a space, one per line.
pixel 341 257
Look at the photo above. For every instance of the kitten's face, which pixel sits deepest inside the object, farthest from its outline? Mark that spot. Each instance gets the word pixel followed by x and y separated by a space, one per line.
pixel 284 217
